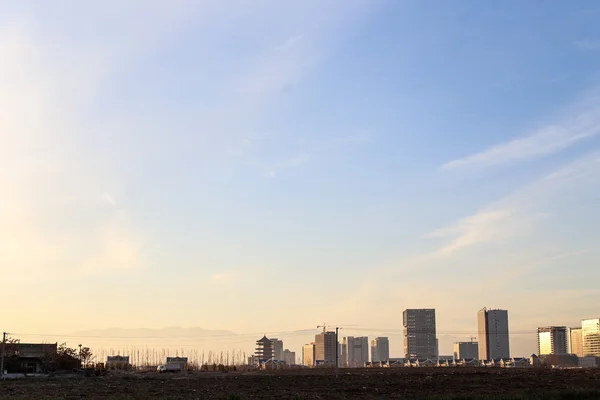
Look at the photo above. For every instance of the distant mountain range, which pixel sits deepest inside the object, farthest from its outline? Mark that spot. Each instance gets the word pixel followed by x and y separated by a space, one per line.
pixel 169 332
pixel 521 345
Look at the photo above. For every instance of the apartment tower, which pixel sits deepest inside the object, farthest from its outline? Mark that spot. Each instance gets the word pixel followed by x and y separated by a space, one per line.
pixel 590 333
pixel 308 355
pixel 355 351
pixel 277 349
pixel 553 340
pixel 380 349
pixel 419 333
pixel 325 347
pixel 493 334
pixel 575 342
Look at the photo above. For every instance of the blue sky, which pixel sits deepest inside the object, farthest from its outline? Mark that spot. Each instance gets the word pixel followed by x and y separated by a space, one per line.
pixel 201 159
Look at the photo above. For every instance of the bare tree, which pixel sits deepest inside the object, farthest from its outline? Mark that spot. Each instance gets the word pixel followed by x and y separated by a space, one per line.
pixel 85 355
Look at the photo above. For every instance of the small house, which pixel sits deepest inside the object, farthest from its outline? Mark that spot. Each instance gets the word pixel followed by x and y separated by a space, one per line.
pixel 182 361
pixel 117 362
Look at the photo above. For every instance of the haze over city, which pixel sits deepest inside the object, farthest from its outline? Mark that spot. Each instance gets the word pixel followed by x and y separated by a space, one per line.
pixel 265 167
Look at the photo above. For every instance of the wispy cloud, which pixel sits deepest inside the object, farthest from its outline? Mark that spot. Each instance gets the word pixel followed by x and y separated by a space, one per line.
pixel 109 199
pixel 515 215
pixel 583 121
pixel 290 42
pixel 314 150
pixel 478 228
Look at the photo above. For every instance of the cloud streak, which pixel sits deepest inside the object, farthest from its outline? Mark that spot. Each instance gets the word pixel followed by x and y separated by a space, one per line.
pixel 516 214
pixel 582 122
pixel 290 42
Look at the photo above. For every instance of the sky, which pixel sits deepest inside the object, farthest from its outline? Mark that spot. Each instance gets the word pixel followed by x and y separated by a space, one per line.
pixel 270 166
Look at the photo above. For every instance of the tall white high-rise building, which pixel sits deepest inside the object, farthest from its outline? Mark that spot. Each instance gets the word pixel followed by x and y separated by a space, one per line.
pixel 493 334
pixel 289 357
pixel 590 333
pixel 355 351
pixel 553 340
pixel 575 342
pixel 419 333
pixel 380 349
pixel 277 349
pixel 308 354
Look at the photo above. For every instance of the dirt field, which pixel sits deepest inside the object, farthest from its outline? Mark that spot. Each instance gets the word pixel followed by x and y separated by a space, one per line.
pixel 434 383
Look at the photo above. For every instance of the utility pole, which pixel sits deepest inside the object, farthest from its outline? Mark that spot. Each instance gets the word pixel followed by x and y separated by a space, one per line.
pixel 2 358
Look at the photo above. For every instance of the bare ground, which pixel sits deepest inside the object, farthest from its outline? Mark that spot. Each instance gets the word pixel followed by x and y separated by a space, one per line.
pixel 410 383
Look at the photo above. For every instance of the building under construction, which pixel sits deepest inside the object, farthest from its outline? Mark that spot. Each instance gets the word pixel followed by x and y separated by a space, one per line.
pixel 325 348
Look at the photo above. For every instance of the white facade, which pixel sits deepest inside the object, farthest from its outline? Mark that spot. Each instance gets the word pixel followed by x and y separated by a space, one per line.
pixel 289 357
pixel 575 342
pixel 590 333
pixel 308 355
pixel 355 351
pixel 277 349
pixel 493 334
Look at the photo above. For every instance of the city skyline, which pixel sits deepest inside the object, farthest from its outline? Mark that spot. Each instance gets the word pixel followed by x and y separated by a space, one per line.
pixel 355 155
pixel 550 340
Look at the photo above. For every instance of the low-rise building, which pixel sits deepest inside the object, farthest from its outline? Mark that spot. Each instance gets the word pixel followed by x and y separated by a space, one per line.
pixel 420 362
pixel 182 361
pixel 589 362
pixel 31 357
pixel 515 362
pixel 468 362
pixel 117 362
pixel 559 360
